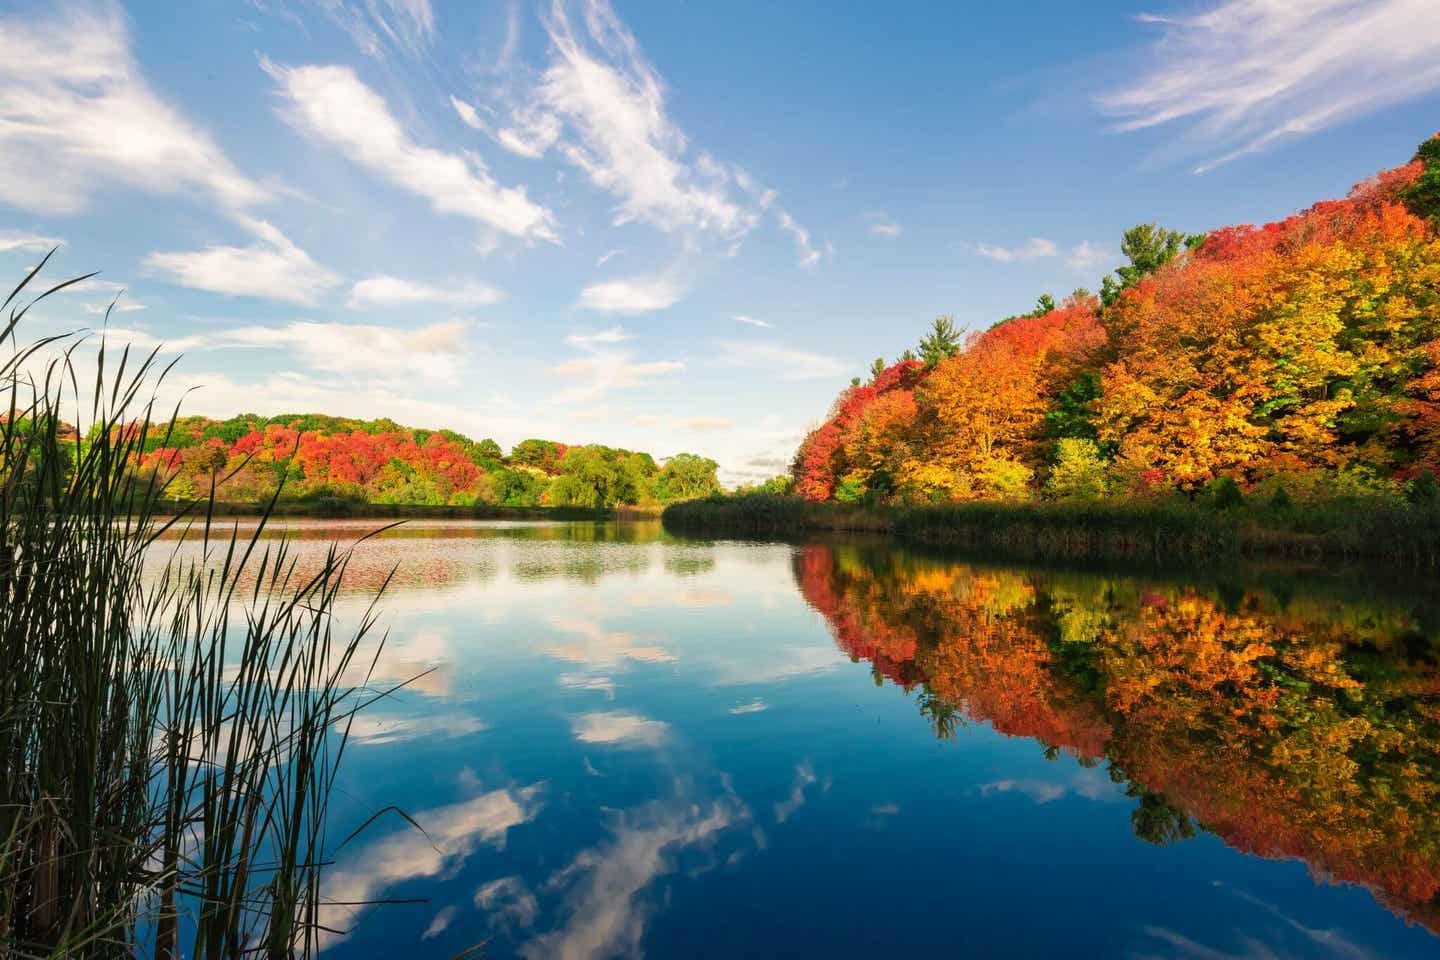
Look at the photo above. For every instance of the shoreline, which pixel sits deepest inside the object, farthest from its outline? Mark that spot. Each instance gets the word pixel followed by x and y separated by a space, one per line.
pixel 334 509
pixel 1166 530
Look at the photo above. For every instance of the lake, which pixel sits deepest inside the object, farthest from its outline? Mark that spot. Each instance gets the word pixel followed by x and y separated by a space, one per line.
pixel 624 743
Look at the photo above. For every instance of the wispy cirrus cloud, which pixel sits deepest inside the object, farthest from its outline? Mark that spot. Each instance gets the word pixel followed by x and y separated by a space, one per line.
pixel 615 334
pixel 785 362
pixel 881 224
pixel 1247 74
pixel 752 321
pixel 434 353
pixel 77 114
pixel 810 255
pixel 331 104
pixel 386 291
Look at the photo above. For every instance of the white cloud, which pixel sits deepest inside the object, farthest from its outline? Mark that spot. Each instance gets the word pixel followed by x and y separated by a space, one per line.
pixel 593 376
pixel 331 104
pixel 76 113
pixel 274 268
pixel 619 728
pixel 614 334
pixel 468 114
pixel 633 295
pixel 1032 249
pixel 1247 74
pixel 1087 257
pixel 754 706
pixel 784 362
pixel 387 291
pixel 607 256
pixel 431 354
pixel 809 255
pixel 882 224
pixel 752 321
pixel 32 242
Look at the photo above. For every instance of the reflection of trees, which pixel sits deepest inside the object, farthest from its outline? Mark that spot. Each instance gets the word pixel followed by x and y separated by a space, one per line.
pixel 1296 727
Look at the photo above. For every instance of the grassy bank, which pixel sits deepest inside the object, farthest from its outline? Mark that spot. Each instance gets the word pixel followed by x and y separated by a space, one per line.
pixel 1164 529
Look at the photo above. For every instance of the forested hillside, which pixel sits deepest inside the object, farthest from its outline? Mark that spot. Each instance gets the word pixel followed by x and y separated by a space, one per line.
pixel 246 458
pixel 1299 359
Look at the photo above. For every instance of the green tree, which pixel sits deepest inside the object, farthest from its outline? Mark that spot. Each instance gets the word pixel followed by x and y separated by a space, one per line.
pixel 1423 197
pixel 1078 472
pixel 1045 304
pixel 1148 247
pixel 877 368
pixel 687 476
pixel 941 342
pixel 591 476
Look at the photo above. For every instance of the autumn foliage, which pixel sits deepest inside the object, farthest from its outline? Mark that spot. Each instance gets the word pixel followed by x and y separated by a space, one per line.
pixel 1302 354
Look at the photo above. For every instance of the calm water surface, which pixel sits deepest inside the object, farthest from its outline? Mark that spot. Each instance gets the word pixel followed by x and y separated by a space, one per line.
pixel 630 744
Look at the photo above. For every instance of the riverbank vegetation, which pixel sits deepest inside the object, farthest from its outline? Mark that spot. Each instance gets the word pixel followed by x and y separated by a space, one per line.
pixel 169 732
pixel 1296 362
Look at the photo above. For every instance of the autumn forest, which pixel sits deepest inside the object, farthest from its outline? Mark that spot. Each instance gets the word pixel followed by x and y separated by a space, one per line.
pixel 1299 360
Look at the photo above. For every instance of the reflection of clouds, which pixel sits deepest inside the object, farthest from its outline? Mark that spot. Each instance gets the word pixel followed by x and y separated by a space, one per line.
pixel 421 661
pixel 778 665
pixel 370 729
pixel 605 912
pixel 690 596
pixel 754 706
pixel 509 902
pixel 620 728
pixel 804 777
pixel 440 923
pixel 596 647
pixel 1089 784
pixel 1291 938
pixel 455 832
pixel 578 681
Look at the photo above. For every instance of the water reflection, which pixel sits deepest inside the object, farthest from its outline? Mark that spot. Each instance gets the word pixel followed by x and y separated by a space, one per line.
pixel 623 744
pixel 1289 726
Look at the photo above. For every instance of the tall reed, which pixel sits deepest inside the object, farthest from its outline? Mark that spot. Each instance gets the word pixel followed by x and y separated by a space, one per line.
pixel 169 736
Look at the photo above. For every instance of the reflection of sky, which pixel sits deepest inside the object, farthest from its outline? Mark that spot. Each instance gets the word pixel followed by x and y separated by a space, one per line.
pixel 649 747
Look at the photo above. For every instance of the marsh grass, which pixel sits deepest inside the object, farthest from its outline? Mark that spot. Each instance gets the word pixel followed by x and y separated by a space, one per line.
pixel 168 738
pixel 1164 529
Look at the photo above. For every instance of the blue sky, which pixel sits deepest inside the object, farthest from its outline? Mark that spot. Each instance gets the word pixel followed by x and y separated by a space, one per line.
pixel 658 225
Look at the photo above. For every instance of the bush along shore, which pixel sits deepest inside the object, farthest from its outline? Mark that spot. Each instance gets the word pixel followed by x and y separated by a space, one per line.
pixel 334 507
pixel 1166 529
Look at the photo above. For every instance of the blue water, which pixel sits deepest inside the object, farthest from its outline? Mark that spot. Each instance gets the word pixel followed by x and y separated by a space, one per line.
pixel 633 745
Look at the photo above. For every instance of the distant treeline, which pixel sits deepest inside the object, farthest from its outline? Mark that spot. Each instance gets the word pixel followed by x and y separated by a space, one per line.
pixel 1296 361
pixel 335 459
